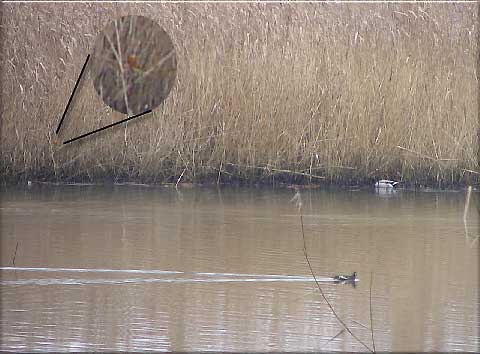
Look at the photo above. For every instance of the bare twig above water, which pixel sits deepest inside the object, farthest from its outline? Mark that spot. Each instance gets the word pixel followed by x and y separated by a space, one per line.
pixel 15 254
pixel 298 201
pixel 180 178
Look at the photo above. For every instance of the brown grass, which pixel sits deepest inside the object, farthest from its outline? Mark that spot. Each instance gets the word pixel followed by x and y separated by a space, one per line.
pixel 345 92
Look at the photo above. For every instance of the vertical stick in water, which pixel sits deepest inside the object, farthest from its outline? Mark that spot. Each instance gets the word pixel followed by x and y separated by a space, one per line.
pixel 467 203
pixel 371 314
pixel 465 213
pixel 298 200
pixel 15 254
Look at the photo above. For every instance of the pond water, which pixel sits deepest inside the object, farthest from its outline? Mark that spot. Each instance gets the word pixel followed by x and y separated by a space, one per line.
pixel 130 268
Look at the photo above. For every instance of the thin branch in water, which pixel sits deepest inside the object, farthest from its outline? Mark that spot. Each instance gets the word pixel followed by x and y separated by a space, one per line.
pixel 322 293
pixel 15 254
pixel 371 315
pixel 297 200
pixel 465 213
pixel 220 171
pixel 467 204
pixel 333 338
pixel 360 324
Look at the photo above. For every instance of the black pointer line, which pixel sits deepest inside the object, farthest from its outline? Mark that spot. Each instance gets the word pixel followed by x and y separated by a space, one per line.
pixel 71 96
pixel 106 127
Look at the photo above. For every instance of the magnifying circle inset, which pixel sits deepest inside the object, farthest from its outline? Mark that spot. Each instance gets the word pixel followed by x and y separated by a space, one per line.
pixel 134 65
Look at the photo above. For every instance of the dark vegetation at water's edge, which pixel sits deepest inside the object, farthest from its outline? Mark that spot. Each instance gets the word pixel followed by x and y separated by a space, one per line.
pixel 277 182
pixel 291 93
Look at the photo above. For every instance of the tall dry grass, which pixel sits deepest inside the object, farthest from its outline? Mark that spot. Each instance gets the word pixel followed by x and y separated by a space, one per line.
pixel 344 92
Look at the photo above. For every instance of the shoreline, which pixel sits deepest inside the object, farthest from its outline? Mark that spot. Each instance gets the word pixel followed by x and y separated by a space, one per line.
pixel 406 187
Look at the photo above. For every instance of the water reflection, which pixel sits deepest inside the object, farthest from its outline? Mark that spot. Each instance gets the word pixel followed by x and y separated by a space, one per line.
pixel 384 192
pixel 149 268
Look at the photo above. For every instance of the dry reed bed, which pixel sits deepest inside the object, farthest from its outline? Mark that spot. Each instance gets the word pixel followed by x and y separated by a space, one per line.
pixel 345 92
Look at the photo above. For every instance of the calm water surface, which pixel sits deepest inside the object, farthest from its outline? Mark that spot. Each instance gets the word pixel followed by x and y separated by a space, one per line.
pixel 149 268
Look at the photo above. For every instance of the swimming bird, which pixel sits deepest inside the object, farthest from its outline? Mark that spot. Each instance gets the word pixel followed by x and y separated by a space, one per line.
pixel 345 278
pixel 385 183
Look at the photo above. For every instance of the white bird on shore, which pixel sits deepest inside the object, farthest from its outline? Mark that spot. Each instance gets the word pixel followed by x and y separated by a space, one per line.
pixel 385 183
